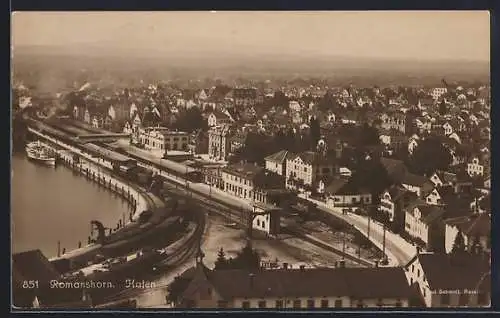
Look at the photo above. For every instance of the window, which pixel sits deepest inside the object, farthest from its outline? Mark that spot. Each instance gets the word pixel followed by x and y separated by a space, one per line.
pixel 245 304
pixel 445 299
pixel 305 169
pixel 263 224
pixel 338 303
pixel 296 303
pixel 279 304
pixel 310 303
pixel 258 222
pixel 262 304
pixel 463 299
pixel 324 303
pixel 418 272
pixel 222 304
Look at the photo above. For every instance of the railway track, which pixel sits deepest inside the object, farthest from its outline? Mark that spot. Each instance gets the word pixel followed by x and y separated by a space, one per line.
pixel 177 258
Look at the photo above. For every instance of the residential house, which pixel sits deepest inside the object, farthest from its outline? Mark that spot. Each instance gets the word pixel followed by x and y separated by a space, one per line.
pixel 75 113
pixel 133 110
pixel 413 143
pixel 97 118
pixel 437 92
pixel 393 202
pixel 487 183
pixel 297 288
pixel 305 169
pixel 127 128
pixel 343 192
pixel 474 228
pixel 87 117
pixel 186 99
pixel 297 118
pixel 416 183
pixel 481 204
pixel 425 222
pixel 163 139
pixel 394 139
pixel 237 141
pixel 277 162
pixel 218 142
pixel 394 120
pixel 423 125
pixel 438 195
pixel 266 218
pixel 451 280
pixel 198 143
pixel 294 106
pixel 244 97
pixel 250 182
pixel 448 128
pixel 442 178
pixel 477 166
pixel 218 118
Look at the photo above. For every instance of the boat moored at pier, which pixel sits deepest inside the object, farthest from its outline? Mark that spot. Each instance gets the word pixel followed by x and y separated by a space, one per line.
pixel 40 152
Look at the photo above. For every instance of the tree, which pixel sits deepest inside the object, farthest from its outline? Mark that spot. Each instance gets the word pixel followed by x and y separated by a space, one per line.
pixel 372 175
pixel 430 155
pixel 176 288
pixel 314 132
pixel 443 109
pixel 458 244
pixel 247 258
pixel 191 120
pixel 368 136
pixel 221 262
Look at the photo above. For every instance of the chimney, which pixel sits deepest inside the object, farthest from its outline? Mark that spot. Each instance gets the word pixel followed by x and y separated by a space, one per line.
pixel 285 265
pixel 376 264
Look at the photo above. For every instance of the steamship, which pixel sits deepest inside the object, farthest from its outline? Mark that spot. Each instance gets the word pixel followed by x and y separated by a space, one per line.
pixel 41 153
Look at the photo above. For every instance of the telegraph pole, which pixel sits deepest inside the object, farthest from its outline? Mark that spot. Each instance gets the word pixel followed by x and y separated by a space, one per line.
pixel 368 232
pixel 383 243
pixel 343 246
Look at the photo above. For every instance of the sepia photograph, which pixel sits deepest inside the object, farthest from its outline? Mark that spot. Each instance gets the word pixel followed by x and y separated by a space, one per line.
pixel 255 160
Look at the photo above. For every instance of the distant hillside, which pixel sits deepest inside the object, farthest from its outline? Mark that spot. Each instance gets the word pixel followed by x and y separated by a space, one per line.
pixel 259 66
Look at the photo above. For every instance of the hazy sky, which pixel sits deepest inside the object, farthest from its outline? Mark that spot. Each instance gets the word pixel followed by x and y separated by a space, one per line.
pixel 408 35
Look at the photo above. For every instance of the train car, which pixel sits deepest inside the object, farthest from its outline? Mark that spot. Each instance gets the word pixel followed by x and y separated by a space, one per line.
pixel 155 236
pixel 180 170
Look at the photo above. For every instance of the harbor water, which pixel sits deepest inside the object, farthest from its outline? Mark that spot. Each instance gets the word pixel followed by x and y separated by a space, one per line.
pixel 55 204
